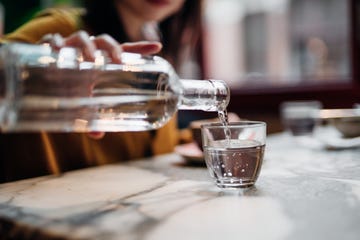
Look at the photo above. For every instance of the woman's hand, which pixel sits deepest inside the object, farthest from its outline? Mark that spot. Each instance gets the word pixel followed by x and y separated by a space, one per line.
pixel 89 44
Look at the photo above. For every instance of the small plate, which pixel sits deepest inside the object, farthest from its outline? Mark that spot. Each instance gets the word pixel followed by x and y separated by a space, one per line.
pixel 346 121
pixel 190 152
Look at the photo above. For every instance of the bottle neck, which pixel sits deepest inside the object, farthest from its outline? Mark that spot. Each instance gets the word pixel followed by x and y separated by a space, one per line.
pixel 206 95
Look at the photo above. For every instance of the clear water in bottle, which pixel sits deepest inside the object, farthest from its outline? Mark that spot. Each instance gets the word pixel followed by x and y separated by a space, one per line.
pixel 93 100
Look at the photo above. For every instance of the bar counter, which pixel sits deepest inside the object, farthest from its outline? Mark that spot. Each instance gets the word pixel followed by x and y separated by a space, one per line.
pixel 302 193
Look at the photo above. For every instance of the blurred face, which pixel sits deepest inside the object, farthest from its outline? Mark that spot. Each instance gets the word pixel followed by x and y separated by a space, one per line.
pixel 151 10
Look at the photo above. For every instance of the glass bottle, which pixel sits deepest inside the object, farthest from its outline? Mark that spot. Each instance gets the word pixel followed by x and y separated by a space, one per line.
pixel 43 89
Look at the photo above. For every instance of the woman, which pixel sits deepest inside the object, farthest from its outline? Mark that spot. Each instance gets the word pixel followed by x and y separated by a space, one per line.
pixel 175 23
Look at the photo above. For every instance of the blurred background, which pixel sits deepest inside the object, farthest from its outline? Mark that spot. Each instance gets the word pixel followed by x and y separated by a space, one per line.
pixel 268 51
pixel 271 51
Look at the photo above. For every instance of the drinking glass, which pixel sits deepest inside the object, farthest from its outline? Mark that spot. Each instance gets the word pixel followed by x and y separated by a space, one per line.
pixel 300 118
pixel 234 152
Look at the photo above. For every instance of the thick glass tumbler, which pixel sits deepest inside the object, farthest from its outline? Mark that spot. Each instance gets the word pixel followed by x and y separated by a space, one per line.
pixel 300 118
pixel 234 153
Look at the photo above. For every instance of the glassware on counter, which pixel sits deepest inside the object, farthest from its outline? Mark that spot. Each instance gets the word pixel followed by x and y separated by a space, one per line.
pixel 234 152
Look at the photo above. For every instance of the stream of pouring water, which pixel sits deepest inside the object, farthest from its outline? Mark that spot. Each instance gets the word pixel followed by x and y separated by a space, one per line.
pixel 223 116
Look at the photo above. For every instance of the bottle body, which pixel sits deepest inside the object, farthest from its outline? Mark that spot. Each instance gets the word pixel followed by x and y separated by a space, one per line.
pixel 56 91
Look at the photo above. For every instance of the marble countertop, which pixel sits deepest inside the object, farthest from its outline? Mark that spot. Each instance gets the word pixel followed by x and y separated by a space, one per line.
pixel 302 193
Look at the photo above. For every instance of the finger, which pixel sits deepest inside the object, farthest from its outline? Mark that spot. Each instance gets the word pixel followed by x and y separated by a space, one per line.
pixel 56 41
pixel 110 45
pixel 233 117
pixel 96 135
pixel 143 47
pixel 82 41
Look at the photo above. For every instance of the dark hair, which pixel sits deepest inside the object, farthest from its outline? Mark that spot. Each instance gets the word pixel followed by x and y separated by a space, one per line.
pixel 182 28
